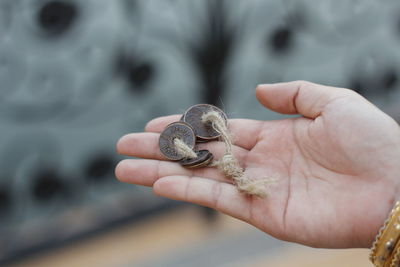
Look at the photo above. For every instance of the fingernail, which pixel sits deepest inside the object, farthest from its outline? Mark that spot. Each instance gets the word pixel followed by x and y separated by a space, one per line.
pixel 263 86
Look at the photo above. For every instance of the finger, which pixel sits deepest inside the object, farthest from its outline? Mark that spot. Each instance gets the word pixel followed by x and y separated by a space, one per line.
pixel 223 197
pixel 157 125
pixel 244 131
pixel 141 145
pixel 145 145
pixel 146 172
pixel 299 97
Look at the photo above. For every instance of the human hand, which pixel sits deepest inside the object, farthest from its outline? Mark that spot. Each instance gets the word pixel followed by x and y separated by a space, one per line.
pixel 338 166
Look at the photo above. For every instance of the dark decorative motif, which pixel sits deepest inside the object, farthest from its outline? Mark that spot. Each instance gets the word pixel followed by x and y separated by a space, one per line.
pixel 48 186
pixel 56 17
pixel 137 73
pixel 212 52
pixel 281 39
pixel 5 201
pixel 100 168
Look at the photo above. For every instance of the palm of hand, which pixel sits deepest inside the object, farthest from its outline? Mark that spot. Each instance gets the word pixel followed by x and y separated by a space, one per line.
pixel 331 169
pixel 333 172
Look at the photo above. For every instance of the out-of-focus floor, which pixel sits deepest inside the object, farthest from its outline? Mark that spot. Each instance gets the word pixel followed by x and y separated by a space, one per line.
pixel 183 237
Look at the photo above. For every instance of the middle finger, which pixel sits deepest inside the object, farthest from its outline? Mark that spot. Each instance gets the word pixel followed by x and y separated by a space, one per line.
pixel 147 172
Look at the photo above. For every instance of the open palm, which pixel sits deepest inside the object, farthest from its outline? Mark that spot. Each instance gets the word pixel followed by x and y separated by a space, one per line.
pixel 337 166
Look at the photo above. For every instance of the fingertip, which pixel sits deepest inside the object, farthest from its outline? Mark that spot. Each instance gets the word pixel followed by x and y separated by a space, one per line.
pixel 157 187
pixel 274 97
pixel 120 170
pixel 153 124
pixel 122 143
pixel 159 123
pixel 281 97
pixel 260 92
pixel 263 86
pixel 148 125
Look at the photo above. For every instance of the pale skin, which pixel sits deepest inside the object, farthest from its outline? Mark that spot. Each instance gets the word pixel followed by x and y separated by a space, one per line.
pixel 337 165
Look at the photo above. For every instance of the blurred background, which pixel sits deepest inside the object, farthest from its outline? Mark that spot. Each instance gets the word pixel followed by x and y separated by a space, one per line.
pixel 77 75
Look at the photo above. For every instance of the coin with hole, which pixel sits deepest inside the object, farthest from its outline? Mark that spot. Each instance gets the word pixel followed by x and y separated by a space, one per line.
pixel 180 130
pixel 204 163
pixel 203 131
pixel 201 164
pixel 202 157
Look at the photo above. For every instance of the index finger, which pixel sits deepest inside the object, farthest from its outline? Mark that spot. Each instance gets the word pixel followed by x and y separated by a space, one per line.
pixel 157 125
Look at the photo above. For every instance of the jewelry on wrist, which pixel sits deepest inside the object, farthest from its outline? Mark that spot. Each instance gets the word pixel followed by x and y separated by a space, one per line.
pixel 395 258
pixel 385 251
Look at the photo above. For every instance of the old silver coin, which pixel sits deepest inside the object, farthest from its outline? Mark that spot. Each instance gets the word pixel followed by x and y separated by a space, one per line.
pixel 203 131
pixel 204 163
pixel 202 155
pixel 175 130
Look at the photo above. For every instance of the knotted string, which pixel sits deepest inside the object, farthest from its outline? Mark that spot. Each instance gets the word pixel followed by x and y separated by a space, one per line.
pixel 229 165
pixel 184 150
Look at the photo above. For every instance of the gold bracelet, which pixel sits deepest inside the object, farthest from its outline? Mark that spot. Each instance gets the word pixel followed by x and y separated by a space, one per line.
pixel 394 260
pixel 386 248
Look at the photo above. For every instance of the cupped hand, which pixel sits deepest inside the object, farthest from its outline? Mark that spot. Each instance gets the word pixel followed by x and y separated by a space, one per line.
pixel 337 166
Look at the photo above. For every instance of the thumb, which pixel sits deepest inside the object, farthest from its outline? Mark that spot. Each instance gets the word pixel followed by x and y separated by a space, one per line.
pixel 299 97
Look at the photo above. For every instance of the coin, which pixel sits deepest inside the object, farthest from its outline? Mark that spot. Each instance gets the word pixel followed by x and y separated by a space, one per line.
pixel 202 164
pixel 175 130
pixel 203 131
pixel 202 156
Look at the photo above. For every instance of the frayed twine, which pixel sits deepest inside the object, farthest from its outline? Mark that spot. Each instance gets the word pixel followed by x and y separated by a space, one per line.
pixel 229 165
pixel 184 150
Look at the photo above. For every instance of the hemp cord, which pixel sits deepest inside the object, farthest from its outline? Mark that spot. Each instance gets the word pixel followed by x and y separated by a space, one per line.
pixel 184 150
pixel 229 165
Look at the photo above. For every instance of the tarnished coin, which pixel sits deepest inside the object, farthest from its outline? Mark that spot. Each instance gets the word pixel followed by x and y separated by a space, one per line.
pixel 174 130
pixel 202 156
pixel 204 163
pixel 203 131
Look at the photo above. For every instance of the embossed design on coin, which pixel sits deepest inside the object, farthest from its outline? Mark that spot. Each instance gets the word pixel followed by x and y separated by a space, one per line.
pixel 180 130
pixel 202 156
pixel 203 131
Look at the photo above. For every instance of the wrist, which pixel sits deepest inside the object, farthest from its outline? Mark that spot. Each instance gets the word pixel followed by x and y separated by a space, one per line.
pixel 375 211
pixel 386 245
